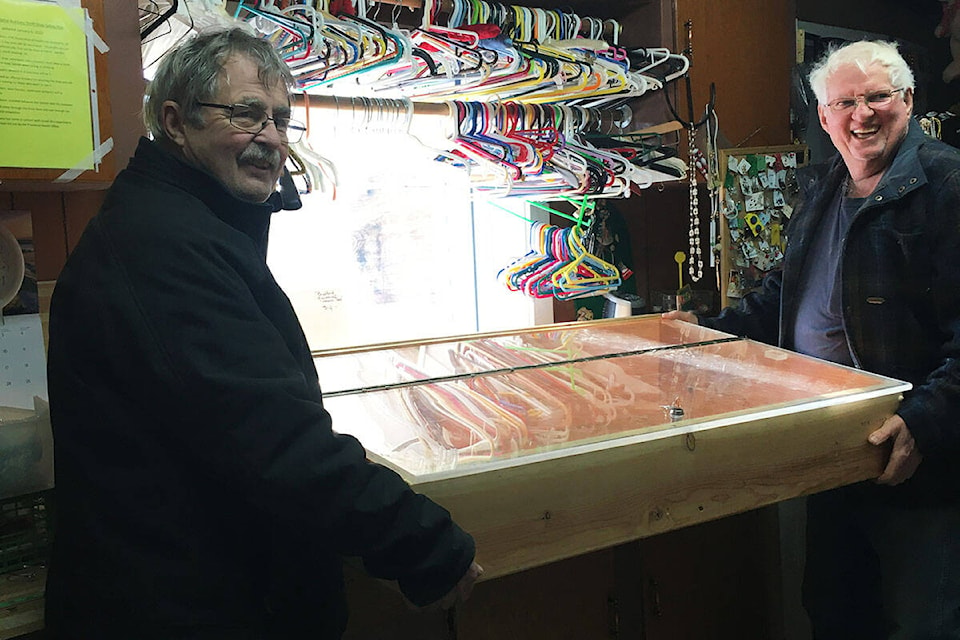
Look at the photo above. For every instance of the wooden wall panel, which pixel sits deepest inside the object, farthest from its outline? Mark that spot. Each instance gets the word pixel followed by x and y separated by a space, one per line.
pixel 747 49
pixel 685 601
pixel 46 211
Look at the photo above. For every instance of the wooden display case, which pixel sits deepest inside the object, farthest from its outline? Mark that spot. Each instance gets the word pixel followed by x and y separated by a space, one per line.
pixel 552 442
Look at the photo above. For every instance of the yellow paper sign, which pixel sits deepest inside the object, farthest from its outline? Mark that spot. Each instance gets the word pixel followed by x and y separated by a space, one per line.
pixel 45 113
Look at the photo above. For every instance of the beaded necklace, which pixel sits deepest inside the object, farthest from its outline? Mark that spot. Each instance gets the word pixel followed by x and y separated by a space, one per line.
pixel 696 253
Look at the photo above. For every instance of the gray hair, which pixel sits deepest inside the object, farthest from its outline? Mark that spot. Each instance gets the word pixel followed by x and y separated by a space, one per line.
pixel 861 54
pixel 192 73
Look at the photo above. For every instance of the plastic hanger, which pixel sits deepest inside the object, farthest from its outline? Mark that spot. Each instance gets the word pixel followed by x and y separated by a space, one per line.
pixel 289 36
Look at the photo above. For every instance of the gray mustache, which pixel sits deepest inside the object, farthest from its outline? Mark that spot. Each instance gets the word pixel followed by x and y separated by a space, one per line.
pixel 258 154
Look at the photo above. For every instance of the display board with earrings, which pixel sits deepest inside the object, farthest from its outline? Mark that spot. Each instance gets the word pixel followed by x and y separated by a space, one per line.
pixel 757 187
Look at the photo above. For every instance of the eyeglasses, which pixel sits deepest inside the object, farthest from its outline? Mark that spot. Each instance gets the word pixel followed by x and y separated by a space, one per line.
pixel 254 119
pixel 873 100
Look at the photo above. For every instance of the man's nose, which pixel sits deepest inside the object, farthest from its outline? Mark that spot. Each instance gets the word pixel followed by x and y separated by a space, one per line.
pixel 861 101
pixel 269 134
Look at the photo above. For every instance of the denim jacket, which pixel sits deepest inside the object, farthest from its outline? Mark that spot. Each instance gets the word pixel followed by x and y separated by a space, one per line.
pixel 900 276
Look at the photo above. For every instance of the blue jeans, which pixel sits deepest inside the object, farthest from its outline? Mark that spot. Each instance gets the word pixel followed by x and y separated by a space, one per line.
pixel 875 571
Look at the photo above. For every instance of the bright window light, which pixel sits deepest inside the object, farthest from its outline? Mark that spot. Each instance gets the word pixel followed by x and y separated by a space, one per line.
pixel 400 253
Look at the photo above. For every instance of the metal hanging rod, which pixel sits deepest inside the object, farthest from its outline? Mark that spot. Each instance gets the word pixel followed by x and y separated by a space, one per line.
pixel 445 5
pixel 611 122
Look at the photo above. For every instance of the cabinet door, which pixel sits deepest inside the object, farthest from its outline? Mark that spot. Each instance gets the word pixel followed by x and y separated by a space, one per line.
pixel 569 600
pixel 713 581
pixel 710 581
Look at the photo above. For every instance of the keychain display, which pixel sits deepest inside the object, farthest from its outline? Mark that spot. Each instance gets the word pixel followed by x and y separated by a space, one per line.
pixel 756 190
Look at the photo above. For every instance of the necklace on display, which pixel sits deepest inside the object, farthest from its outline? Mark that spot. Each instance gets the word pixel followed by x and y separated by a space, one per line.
pixel 696 253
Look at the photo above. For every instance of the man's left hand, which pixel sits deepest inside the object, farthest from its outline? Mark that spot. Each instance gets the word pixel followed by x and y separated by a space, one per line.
pixel 904 457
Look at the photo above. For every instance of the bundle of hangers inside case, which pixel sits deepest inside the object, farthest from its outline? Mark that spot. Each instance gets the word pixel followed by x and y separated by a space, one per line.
pixel 486 51
pixel 524 399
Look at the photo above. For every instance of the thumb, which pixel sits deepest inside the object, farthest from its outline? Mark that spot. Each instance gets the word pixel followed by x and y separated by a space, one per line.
pixel 879 436
pixel 886 430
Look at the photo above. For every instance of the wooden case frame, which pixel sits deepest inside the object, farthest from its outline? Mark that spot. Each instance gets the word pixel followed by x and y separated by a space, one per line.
pixel 529 510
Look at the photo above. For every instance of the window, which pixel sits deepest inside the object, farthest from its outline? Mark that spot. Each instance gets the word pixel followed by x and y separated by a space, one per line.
pixel 400 253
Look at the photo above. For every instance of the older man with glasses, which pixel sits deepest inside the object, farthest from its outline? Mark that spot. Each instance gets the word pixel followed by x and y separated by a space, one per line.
pixel 871 279
pixel 201 491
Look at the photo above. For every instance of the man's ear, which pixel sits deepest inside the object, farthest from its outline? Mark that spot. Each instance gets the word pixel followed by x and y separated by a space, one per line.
pixel 908 98
pixel 171 117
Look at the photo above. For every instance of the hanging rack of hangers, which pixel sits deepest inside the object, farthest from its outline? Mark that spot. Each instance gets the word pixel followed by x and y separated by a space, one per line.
pixel 563 262
pixel 536 103
pixel 608 122
pixel 512 149
pixel 537 99
pixel 487 51
pixel 598 28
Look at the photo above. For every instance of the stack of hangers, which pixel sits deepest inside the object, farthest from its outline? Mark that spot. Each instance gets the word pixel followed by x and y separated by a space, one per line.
pixel 559 265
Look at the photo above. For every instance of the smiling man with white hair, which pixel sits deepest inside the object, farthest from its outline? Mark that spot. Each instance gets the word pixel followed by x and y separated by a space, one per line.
pixel 871 279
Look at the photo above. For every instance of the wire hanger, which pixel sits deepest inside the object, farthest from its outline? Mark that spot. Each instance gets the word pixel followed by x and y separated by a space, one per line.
pixel 150 11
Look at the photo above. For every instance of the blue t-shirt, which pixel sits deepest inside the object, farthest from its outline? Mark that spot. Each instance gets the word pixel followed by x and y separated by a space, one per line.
pixel 819 327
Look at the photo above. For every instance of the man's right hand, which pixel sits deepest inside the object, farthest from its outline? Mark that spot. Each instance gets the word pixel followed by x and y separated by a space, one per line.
pixel 686 316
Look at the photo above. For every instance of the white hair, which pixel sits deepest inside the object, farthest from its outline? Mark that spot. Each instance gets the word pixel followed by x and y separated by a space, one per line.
pixel 861 54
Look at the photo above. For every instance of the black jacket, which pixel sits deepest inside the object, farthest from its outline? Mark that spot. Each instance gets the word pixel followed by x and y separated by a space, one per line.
pixel 201 492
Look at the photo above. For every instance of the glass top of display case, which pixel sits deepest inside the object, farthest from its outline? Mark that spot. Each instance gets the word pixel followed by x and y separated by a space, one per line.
pixel 478 402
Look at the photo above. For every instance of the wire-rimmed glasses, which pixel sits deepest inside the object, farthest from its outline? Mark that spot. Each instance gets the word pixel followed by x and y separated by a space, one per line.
pixel 874 100
pixel 253 119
